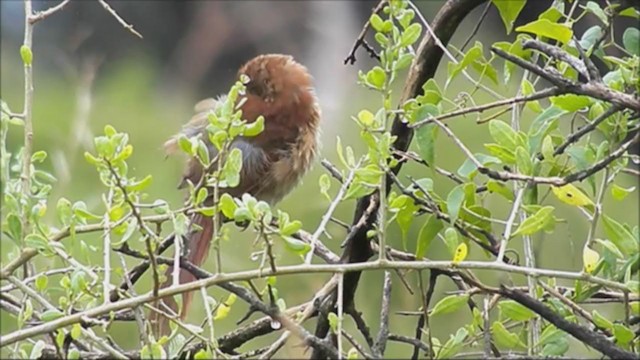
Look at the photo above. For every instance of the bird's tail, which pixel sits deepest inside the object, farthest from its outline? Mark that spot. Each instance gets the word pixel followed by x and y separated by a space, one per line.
pixel 198 243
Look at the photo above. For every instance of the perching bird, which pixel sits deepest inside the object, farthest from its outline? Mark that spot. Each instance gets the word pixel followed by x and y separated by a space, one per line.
pixel 280 89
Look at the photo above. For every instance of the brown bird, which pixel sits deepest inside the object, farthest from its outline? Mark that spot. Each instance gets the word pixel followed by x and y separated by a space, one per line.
pixel 280 89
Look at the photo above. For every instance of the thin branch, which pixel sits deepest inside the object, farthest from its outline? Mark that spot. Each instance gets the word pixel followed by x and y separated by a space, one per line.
pixel 477 26
pixel 139 314
pixel 361 325
pixel 411 341
pixel 509 225
pixel 383 333
pixel 572 305
pixel 144 229
pixel 552 91
pixel 42 301
pixel 360 41
pixel 593 339
pixel 120 20
pixel 28 125
pixel 41 15
pixel 106 247
pixel 593 89
pixel 327 215
pixel 557 53
pixel 575 136
pixel 295 269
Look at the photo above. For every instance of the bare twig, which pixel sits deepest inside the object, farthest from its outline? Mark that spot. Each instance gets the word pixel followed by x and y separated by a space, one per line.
pixel 120 20
pixel 28 124
pixel 595 340
pixel 594 89
pixel 552 91
pixel 295 269
pixel 41 15
pixel 477 26
pixel 360 41
pixel 383 333
pixel 327 215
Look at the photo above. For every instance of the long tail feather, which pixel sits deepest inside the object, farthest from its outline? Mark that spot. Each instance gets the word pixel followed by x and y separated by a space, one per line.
pixel 198 243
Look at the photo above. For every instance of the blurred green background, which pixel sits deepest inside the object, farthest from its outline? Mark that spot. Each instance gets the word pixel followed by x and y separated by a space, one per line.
pixel 90 72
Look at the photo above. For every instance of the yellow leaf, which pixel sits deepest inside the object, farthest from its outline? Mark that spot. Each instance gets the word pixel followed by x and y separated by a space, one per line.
pixel 589 259
pixel 571 195
pixel 222 312
pixel 460 253
pixel 231 299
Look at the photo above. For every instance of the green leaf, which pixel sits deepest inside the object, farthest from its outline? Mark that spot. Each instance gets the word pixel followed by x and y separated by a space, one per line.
pixel 631 40
pixel 203 354
pixel 504 337
pixel 601 321
pixel 596 10
pixel 620 235
pixel 454 202
pixel 611 247
pixel 453 345
pixel 333 322
pixel 469 58
pixel 73 354
pixel 571 102
pixel 76 331
pixel 426 141
pixel 41 282
pixel 503 134
pixel 36 351
pixel 523 160
pixel 428 232
pixel 619 193
pixel 376 77
pixel 15 226
pixel 505 155
pixel 140 185
pixel 535 222
pixel 590 36
pixel 556 348
pixel 499 188
pixel 513 310
pixel 254 128
pixel 38 156
pixel 425 111
pixel 376 22
pixel 51 315
pixel 468 168
pixel 291 228
pixel 26 55
pixel 630 12
pixel 527 88
pixel 546 28
pixel 547 148
pixel 36 241
pixel 623 334
pixel 432 94
pixel 542 121
pixel 411 35
pixel 232 168
pixel 450 304
pixel 295 245
pixel 509 11
pixel 403 61
pixel 325 185
pixel 550 334
pixel 227 205
pixel 451 240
